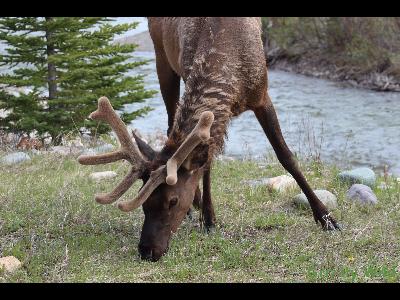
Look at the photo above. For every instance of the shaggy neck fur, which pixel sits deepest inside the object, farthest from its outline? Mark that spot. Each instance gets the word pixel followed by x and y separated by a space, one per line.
pixel 209 87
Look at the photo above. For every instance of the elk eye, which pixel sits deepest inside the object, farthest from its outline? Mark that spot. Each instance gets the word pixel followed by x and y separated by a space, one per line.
pixel 173 202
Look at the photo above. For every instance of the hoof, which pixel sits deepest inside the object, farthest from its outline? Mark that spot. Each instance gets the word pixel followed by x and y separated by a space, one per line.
pixel 329 223
pixel 209 229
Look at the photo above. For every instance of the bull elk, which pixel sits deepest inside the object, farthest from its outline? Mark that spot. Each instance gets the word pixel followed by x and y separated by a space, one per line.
pixel 221 61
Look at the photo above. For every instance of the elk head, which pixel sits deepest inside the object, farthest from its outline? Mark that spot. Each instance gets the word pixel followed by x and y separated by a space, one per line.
pixel 168 189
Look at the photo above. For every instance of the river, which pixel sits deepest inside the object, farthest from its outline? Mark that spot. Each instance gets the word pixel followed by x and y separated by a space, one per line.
pixel 348 127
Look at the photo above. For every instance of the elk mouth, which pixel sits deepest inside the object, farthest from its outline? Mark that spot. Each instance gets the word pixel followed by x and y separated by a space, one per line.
pixel 151 253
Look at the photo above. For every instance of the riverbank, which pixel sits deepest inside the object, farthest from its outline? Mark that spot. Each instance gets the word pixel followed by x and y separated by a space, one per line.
pixel 311 64
pixel 321 67
pixel 51 223
pixel 360 52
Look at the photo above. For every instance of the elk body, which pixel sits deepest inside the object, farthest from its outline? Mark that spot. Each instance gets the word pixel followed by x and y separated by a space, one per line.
pixel 221 61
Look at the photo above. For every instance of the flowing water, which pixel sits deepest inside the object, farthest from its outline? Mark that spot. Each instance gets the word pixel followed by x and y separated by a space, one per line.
pixel 346 126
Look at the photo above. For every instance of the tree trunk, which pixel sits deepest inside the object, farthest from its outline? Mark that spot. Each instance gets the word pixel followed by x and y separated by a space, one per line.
pixel 51 68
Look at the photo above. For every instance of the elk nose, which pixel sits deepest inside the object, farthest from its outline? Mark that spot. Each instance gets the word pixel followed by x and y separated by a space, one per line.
pixel 149 253
pixel 145 252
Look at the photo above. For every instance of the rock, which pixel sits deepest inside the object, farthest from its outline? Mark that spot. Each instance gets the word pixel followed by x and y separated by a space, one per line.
pixel 361 175
pixel 87 138
pixel 362 194
pixel 10 264
pixel 102 175
pixel 281 183
pixel 64 150
pixel 75 143
pixel 325 196
pixel 15 158
pixel 255 182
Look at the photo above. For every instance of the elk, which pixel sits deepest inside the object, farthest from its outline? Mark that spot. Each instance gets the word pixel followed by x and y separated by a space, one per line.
pixel 221 61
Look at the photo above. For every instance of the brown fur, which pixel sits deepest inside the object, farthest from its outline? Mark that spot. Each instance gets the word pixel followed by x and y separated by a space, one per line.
pixel 220 76
pixel 222 63
pixel 26 143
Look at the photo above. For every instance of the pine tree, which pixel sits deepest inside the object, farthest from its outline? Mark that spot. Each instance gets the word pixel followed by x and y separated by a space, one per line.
pixel 64 64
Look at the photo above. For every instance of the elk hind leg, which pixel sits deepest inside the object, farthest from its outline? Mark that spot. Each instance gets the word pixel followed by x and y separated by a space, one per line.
pixel 268 120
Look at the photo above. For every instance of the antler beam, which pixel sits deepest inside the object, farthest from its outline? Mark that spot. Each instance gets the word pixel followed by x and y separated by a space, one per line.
pixel 201 133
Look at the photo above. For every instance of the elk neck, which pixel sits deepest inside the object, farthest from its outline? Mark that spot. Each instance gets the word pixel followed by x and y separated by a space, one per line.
pixel 211 86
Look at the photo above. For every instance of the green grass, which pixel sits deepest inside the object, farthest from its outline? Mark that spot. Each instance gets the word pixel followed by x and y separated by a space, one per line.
pixel 50 221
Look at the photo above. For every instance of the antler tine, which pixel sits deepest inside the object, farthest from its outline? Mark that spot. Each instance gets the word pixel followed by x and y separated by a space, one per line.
pixel 106 113
pixel 200 133
pixel 157 177
pixel 101 158
pixel 120 189
pixel 129 150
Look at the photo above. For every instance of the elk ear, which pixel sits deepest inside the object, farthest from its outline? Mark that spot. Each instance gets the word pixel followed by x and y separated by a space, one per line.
pixel 144 148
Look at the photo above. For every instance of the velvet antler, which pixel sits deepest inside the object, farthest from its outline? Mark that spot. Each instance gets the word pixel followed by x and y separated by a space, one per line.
pixel 130 152
pixel 200 133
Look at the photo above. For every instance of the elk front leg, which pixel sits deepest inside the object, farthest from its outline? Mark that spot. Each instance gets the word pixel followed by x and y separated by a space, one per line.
pixel 207 206
pixel 196 203
pixel 268 120
pixel 169 86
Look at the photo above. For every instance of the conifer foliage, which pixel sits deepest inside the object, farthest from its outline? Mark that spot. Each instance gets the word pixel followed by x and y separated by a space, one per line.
pixel 61 66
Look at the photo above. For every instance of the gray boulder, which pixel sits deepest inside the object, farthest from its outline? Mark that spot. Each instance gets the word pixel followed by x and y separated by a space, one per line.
pixel 360 175
pixel 15 158
pixel 362 194
pixel 325 196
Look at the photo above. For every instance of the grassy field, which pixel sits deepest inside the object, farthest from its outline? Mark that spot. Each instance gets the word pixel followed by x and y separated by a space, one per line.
pixel 50 221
